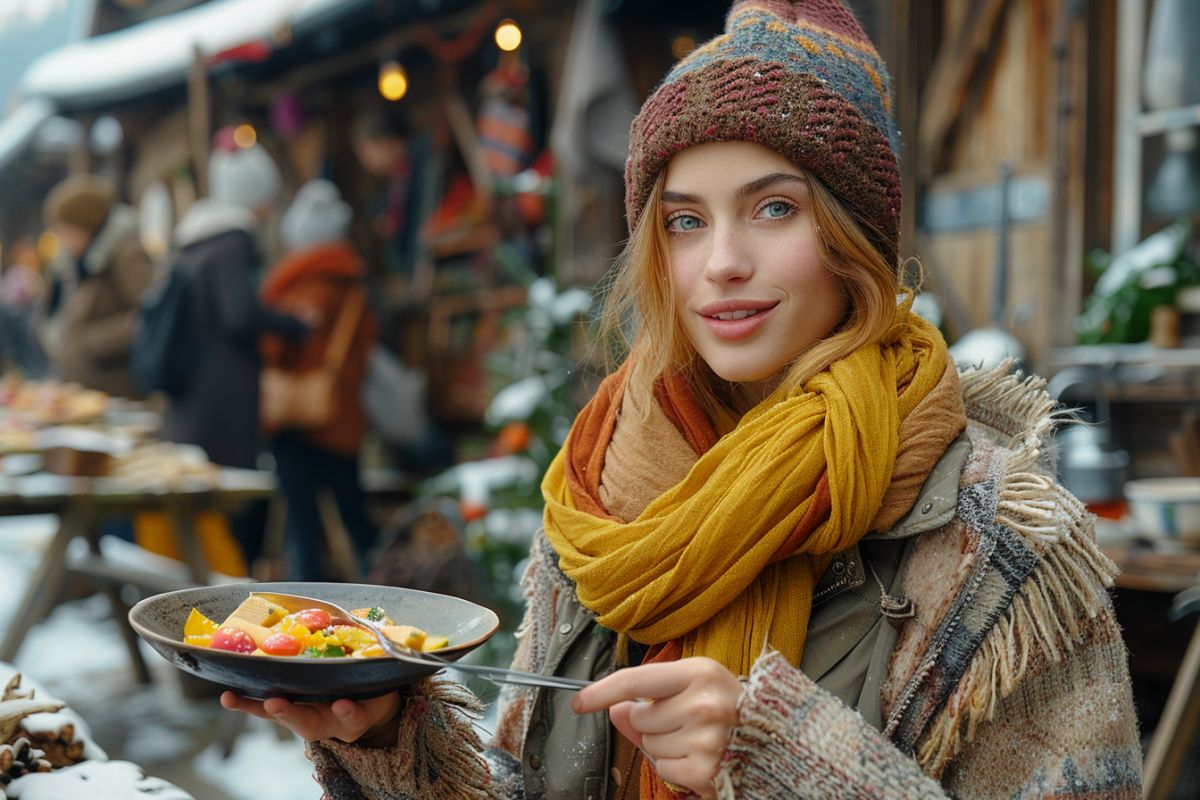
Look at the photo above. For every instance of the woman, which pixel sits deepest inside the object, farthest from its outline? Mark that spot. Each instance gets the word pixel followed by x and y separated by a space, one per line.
pixel 91 307
pixel 834 567
pixel 218 252
pixel 322 276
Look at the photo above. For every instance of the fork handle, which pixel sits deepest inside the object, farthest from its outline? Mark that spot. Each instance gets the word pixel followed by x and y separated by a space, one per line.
pixel 519 678
pixel 513 677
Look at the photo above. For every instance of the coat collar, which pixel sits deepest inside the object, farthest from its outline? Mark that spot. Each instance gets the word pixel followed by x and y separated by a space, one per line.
pixel 336 261
pixel 938 499
pixel 121 223
pixel 208 218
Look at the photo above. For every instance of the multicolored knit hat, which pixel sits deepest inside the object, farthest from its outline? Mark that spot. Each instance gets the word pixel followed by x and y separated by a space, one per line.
pixel 800 77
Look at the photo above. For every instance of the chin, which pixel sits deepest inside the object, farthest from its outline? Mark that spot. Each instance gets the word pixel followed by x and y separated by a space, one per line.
pixel 739 373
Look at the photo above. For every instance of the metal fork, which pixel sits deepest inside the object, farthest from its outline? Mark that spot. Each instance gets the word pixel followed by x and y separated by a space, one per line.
pixel 295 602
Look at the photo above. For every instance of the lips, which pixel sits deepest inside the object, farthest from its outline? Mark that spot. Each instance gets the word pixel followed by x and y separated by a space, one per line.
pixel 735 319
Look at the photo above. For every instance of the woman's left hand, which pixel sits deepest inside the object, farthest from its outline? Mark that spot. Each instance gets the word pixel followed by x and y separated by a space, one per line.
pixel 679 713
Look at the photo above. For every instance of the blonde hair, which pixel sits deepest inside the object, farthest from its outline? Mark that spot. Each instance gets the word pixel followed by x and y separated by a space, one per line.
pixel 639 319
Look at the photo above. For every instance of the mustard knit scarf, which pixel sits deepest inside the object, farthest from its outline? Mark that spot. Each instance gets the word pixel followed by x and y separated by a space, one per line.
pixel 725 561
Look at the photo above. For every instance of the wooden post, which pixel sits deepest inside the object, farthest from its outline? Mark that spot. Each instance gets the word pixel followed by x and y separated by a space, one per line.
pixel 80 160
pixel 199 120
pixel 1066 227
pixel 1127 152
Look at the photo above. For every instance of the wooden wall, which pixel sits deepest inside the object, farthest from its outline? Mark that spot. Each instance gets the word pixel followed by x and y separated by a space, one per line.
pixel 997 82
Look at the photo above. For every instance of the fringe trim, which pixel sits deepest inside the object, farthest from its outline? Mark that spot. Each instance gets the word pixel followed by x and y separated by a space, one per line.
pixel 1068 586
pixel 1015 405
pixel 442 750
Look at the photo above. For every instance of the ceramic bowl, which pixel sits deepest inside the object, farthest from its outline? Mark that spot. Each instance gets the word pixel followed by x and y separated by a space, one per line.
pixel 159 621
pixel 1167 508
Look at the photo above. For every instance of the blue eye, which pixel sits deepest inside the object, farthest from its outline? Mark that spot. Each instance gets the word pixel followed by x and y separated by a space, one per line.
pixel 777 209
pixel 682 223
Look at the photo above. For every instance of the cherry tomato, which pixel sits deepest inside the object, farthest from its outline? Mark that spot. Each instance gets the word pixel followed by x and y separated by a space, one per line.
pixel 313 618
pixel 233 639
pixel 280 644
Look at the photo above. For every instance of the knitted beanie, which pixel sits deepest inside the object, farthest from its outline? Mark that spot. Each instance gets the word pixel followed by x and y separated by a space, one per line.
pixel 81 200
pixel 316 216
pixel 800 77
pixel 241 176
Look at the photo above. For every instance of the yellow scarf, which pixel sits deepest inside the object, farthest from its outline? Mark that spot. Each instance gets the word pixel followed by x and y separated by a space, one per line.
pixel 725 562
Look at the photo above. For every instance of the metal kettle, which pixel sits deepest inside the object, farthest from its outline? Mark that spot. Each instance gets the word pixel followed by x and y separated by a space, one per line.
pixel 1090 463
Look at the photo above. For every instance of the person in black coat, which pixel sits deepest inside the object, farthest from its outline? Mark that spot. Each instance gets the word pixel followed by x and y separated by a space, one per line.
pixel 218 409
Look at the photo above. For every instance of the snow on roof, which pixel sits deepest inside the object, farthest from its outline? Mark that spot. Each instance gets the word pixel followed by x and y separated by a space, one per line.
pixel 157 53
pixel 18 128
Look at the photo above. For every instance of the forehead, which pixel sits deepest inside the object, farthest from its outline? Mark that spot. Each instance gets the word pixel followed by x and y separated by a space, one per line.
pixel 723 164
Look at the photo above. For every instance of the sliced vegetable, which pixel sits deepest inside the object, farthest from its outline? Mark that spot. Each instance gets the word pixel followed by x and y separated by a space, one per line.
pixel 434 643
pixel 199 625
pixel 314 619
pixel 281 644
pixel 308 633
pixel 233 639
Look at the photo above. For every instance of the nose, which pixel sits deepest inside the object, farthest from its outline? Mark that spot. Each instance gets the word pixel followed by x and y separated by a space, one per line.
pixel 728 257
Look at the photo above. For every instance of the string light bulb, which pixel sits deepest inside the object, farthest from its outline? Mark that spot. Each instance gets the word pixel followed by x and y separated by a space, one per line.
pixel 47 246
pixel 682 45
pixel 393 81
pixel 244 136
pixel 508 36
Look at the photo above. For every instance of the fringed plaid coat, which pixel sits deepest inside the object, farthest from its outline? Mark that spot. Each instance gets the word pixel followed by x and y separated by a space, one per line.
pixel 1010 680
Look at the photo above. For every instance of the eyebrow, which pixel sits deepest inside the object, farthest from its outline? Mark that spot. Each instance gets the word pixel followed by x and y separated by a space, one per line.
pixel 753 187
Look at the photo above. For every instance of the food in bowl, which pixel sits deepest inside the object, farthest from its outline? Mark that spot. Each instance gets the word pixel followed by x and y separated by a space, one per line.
pixel 259 627
pixel 1167 508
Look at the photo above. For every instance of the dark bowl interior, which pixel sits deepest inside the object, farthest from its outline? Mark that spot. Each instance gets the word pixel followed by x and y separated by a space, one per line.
pixel 159 620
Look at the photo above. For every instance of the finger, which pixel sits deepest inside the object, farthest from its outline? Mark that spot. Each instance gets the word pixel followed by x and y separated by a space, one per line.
pixel 235 702
pixel 657 716
pixel 352 716
pixel 669 745
pixel 619 715
pixel 650 681
pixel 304 720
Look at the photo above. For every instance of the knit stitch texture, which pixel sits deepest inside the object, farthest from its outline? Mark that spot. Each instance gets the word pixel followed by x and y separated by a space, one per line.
pixel 801 78
pixel 1010 681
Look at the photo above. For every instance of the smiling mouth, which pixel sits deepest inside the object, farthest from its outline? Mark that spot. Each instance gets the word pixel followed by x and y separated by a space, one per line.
pixel 731 315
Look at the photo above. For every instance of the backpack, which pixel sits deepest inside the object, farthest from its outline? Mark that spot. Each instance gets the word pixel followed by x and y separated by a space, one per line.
pixel 162 354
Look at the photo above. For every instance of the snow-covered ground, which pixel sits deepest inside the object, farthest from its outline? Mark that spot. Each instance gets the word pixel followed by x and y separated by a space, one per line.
pixel 78 656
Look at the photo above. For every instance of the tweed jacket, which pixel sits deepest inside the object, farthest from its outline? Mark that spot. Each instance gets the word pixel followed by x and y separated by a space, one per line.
pixel 1009 681
pixel 92 330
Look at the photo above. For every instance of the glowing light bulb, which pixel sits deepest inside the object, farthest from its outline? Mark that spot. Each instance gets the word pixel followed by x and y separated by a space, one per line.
pixel 244 136
pixel 682 45
pixel 508 36
pixel 47 246
pixel 393 81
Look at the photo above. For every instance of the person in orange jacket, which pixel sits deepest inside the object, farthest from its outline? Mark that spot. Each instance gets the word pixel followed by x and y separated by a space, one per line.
pixel 319 278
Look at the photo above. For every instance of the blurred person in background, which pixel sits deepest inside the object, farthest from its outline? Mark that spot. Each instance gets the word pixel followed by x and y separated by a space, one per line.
pixel 217 248
pixel 21 291
pixel 321 277
pixel 97 282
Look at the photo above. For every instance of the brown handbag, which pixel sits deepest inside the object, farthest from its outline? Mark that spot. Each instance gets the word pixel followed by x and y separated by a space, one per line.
pixel 308 399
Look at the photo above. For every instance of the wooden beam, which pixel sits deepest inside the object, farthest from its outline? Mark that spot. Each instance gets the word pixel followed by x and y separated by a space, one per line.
pixel 199 106
pixel 1127 150
pixel 1070 164
pixel 957 66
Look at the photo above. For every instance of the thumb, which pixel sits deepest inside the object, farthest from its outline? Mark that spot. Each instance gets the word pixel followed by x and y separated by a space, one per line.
pixel 619 714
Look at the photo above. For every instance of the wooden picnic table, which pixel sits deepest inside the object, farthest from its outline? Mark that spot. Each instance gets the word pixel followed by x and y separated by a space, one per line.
pixel 81 503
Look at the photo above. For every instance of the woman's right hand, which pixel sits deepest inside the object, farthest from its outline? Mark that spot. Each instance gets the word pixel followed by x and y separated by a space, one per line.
pixel 347 720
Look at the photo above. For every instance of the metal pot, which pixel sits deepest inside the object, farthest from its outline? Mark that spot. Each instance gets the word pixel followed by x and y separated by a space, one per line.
pixel 1090 463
